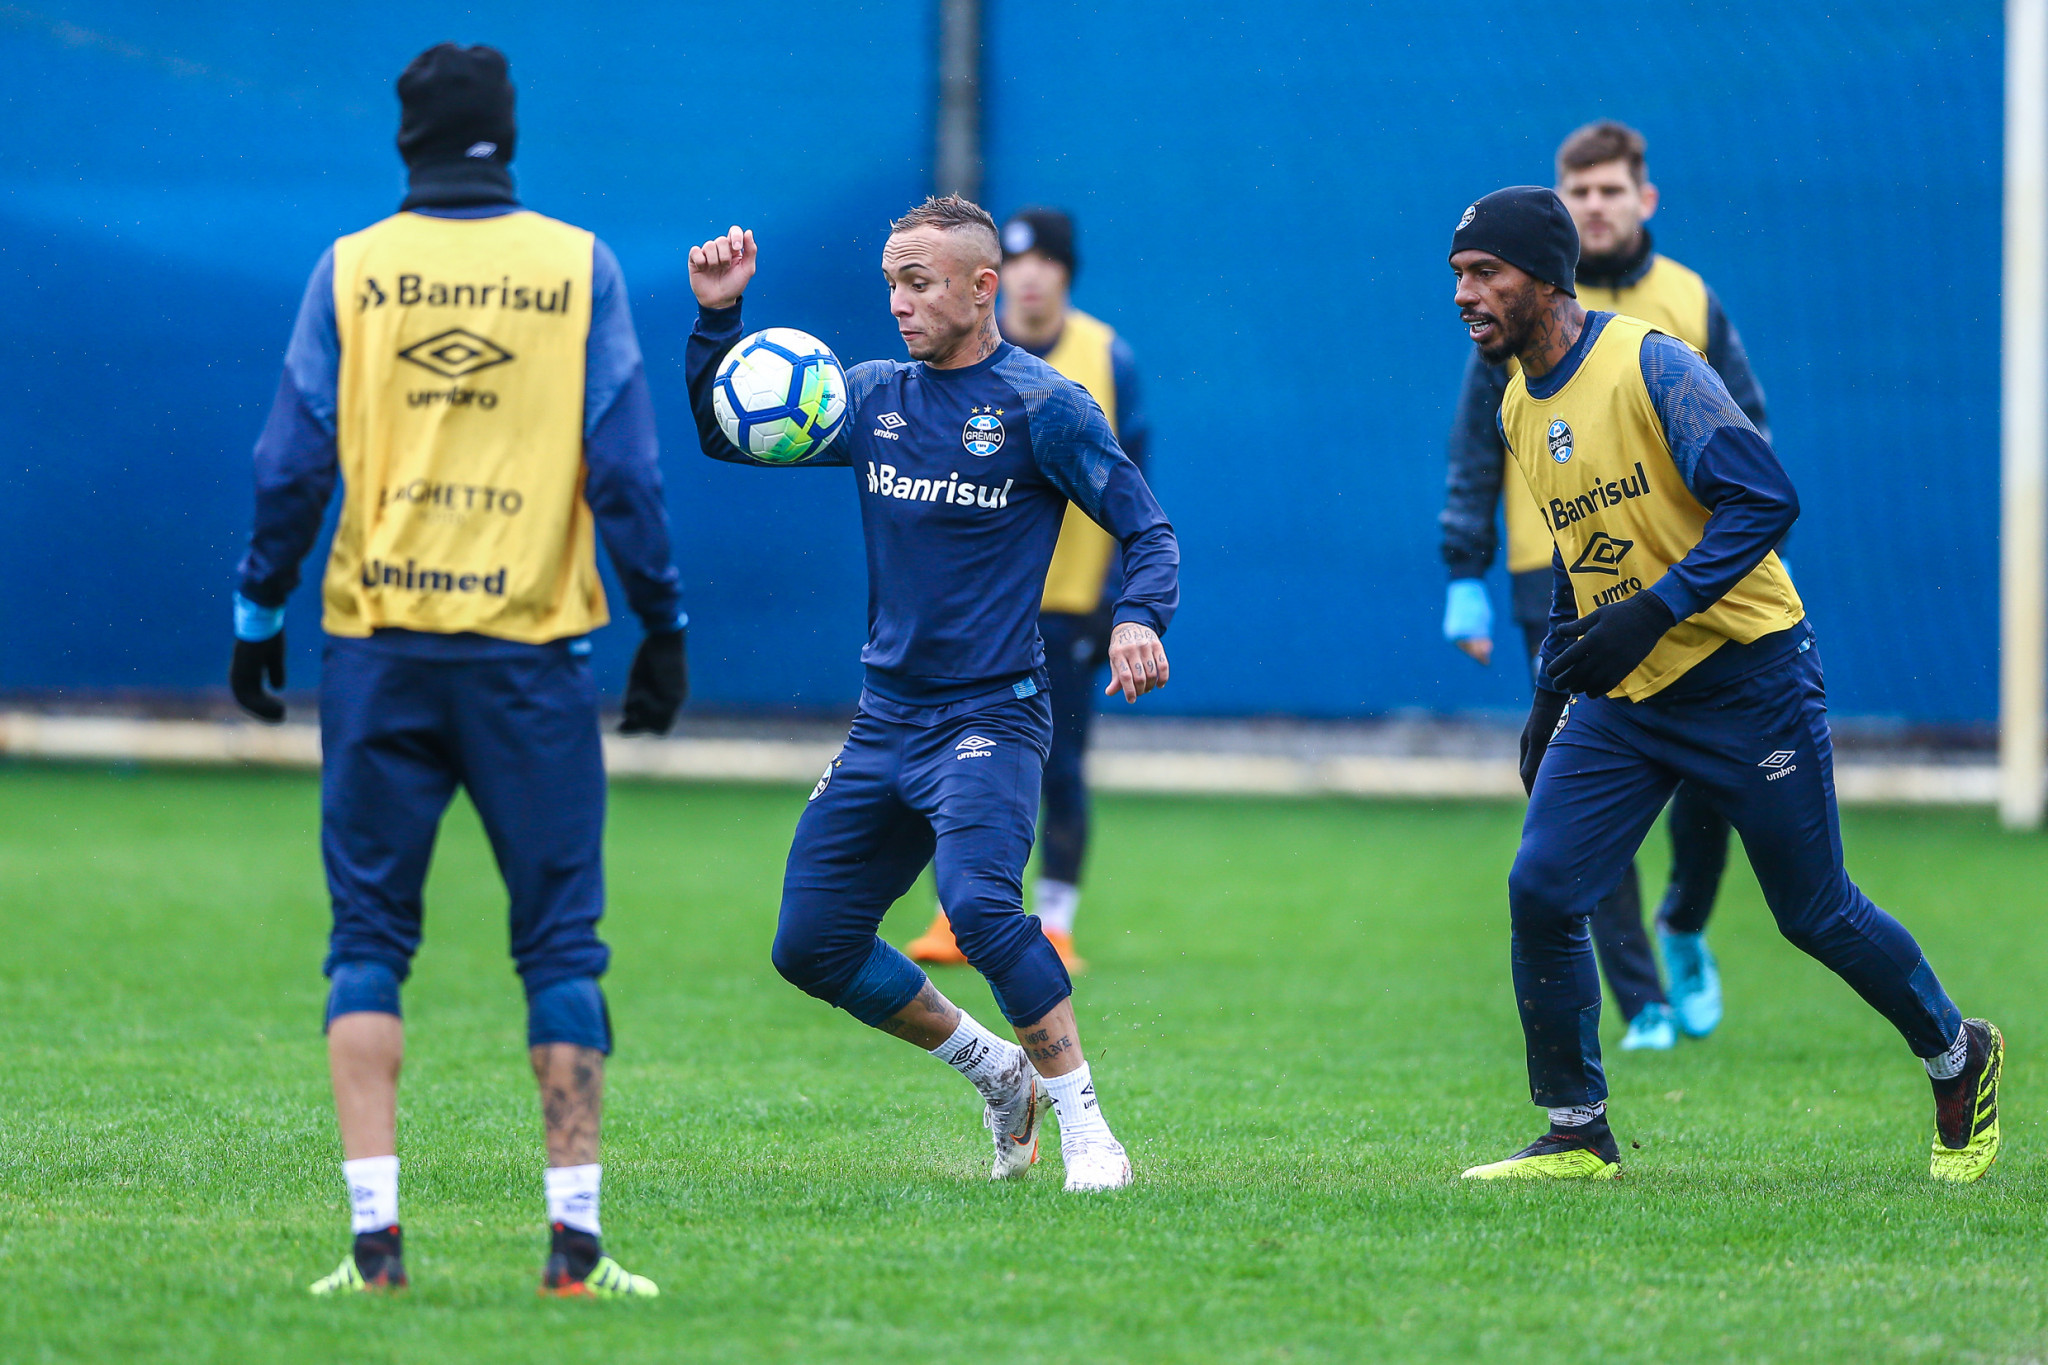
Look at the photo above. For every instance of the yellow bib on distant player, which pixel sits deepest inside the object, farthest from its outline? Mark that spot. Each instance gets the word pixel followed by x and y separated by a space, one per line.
pixel 1080 561
pixel 460 427
pixel 1670 298
pixel 1595 457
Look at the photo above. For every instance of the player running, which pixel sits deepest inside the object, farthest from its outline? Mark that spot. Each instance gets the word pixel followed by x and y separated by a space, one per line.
pixel 964 462
pixel 469 370
pixel 1601 177
pixel 1040 261
pixel 1678 651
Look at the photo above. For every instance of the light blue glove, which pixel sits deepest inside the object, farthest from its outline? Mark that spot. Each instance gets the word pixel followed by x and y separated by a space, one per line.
pixel 1468 612
pixel 256 623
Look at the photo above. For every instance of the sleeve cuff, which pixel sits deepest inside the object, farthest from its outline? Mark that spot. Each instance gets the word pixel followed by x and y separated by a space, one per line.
pixel 256 623
pixel 712 320
pixel 1139 613
pixel 1675 598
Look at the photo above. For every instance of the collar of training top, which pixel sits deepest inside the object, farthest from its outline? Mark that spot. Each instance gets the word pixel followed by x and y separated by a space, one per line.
pixel 1618 271
pixel 458 184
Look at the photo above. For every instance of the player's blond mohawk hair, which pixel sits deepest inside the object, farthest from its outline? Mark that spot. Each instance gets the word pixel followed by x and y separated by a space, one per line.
pixel 953 213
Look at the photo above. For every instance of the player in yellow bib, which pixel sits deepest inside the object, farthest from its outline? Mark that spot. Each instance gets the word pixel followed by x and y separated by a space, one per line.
pixel 468 371
pixel 1040 260
pixel 1677 651
pixel 1603 179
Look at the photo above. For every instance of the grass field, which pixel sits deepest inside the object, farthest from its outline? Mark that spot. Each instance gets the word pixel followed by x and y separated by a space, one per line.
pixel 1299 1015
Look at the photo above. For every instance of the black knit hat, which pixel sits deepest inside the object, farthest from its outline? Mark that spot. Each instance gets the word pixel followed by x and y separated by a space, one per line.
pixel 1526 226
pixel 457 106
pixel 1049 232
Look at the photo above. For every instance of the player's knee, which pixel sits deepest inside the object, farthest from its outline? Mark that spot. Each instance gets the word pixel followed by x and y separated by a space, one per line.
pixel 569 1011
pixel 815 964
pixel 1538 891
pixel 363 987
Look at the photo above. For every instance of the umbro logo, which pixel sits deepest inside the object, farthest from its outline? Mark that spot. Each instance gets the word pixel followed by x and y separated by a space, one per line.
pixel 971 1054
pixel 1603 554
pixel 891 423
pixel 1780 764
pixel 974 746
pixel 455 353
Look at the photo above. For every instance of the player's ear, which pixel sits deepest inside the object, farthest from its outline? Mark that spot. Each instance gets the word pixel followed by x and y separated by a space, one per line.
pixel 985 283
pixel 1649 195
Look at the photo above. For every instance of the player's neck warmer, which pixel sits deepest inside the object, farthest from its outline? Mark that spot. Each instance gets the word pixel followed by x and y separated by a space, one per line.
pixel 459 184
pixel 1619 270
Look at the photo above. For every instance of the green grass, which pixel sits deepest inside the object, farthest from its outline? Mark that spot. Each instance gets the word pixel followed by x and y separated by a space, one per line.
pixel 1299 1016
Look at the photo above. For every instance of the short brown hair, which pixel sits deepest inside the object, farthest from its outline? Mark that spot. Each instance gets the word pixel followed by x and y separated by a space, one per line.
pixel 952 213
pixel 1598 143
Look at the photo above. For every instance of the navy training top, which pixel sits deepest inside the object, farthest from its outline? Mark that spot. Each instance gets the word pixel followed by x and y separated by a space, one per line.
pixel 960 522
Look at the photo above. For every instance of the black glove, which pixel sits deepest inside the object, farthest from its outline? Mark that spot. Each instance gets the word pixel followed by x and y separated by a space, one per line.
pixel 1610 643
pixel 658 685
pixel 253 659
pixel 1536 734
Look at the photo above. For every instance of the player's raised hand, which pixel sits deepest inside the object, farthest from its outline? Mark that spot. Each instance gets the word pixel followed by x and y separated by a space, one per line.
pixel 720 269
pixel 1137 661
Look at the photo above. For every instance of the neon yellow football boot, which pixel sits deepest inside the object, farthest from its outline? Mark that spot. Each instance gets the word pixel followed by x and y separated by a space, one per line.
pixel 1966 1109
pixel 1558 1156
pixel 374 1265
pixel 577 1269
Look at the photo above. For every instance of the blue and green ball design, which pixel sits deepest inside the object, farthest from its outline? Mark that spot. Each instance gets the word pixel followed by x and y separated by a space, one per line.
pixel 780 396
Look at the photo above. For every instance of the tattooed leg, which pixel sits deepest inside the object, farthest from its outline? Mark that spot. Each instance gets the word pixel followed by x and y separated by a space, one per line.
pixel 571 1100
pixel 1053 1043
pixel 928 1020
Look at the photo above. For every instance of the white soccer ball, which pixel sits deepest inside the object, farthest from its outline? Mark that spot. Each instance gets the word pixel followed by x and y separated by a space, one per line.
pixel 780 395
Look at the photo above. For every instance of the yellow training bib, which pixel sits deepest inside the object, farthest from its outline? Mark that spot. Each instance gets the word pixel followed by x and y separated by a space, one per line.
pixel 1670 298
pixel 1080 561
pixel 1595 459
pixel 459 422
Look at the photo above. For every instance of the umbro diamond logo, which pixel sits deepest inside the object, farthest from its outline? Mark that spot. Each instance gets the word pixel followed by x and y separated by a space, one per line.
pixel 1603 554
pixel 1780 764
pixel 455 353
pixel 974 746
pixel 892 420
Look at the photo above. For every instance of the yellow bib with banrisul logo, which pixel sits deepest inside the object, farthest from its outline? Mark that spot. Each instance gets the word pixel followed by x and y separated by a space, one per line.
pixel 1080 561
pixel 459 422
pixel 1670 298
pixel 1595 457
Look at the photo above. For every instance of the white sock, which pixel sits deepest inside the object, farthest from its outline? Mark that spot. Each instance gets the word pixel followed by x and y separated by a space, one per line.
pixel 1073 1099
pixel 989 1063
pixel 572 1196
pixel 372 1192
pixel 1946 1066
pixel 1578 1115
pixel 1055 904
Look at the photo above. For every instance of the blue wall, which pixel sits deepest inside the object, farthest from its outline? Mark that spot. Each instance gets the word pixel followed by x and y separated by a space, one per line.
pixel 1264 195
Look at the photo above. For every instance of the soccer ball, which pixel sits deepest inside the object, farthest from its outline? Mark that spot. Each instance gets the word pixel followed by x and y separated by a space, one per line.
pixel 780 395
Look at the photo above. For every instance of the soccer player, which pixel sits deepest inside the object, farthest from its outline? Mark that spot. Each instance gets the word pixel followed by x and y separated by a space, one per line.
pixel 469 370
pixel 964 462
pixel 1040 260
pixel 1678 650
pixel 1602 178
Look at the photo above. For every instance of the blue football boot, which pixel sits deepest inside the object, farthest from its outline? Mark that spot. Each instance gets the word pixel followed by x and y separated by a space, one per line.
pixel 1654 1029
pixel 1695 982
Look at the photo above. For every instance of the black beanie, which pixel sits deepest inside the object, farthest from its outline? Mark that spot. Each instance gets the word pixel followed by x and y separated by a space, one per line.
pixel 1526 226
pixel 456 130
pixel 1049 232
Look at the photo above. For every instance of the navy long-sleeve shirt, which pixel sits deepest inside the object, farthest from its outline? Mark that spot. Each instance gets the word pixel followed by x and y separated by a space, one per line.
pixel 1727 465
pixel 297 464
pixel 1478 460
pixel 958 541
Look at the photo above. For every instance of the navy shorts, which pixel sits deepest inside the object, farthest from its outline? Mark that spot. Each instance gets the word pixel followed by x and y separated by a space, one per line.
pixel 519 731
pixel 962 795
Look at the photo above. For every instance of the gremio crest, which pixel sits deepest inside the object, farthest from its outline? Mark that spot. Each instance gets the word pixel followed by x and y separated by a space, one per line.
pixel 983 434
pixel 1561 441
